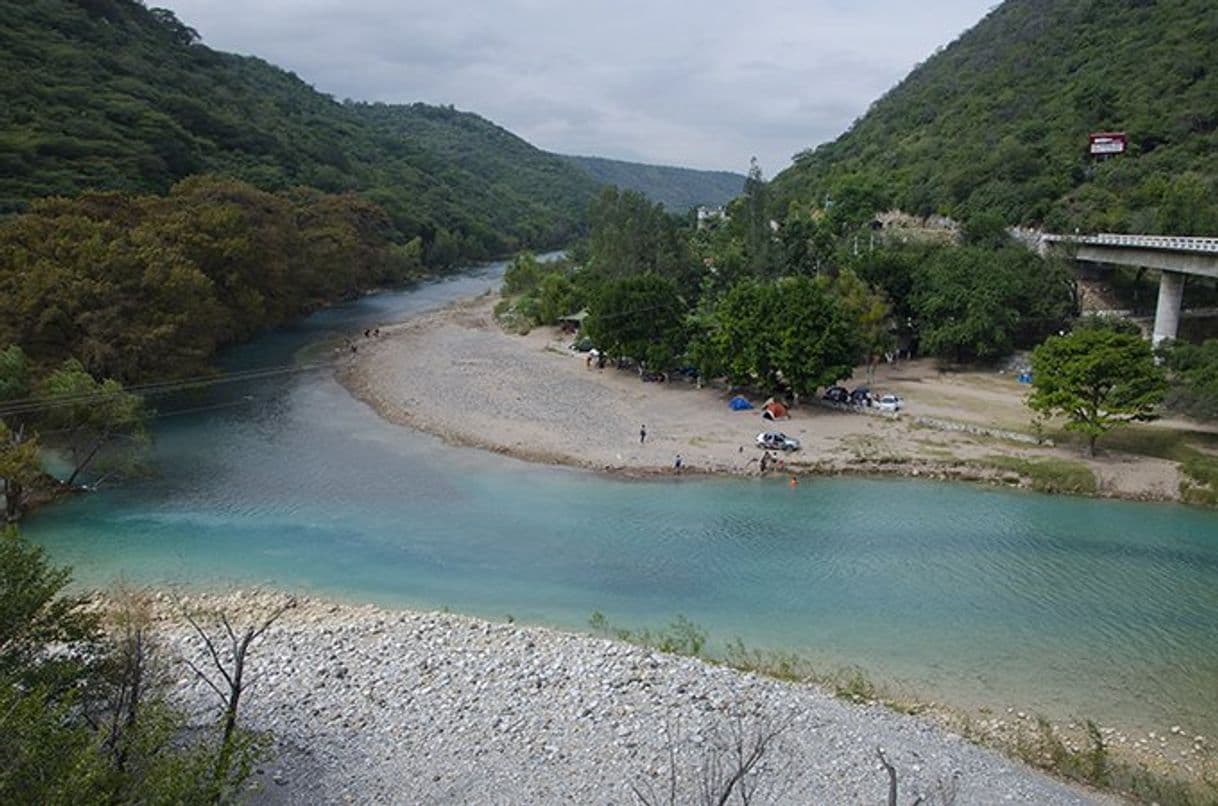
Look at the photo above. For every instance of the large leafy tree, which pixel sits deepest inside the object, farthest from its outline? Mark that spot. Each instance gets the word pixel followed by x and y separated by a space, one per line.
pixel 631 235
pixel 19 468
pixel 791 333
pixel 819 340
pixel 1098 379
pixel 869 311
pixel 641 317
pixel 978 304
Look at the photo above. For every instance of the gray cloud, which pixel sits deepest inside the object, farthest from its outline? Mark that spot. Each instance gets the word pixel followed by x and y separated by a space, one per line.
pixel 701 84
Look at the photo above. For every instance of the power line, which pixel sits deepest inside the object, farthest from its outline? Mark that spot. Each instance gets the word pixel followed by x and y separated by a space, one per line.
pixel 30 405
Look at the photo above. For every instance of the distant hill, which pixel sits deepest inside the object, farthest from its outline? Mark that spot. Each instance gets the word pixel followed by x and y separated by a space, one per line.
pixel 678 189
pixel 111 95
pixel 999 121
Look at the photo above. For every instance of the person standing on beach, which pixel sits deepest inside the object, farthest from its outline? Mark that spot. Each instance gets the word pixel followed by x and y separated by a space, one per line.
pixel 677 464
pixel 642 434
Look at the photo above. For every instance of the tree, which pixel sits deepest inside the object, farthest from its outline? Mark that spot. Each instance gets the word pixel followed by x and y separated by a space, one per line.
pixel 84 711
pixel 755 216
pixel 91 414
pixel 227 648
pixel 1098 379
pixel 1186 208
pixel 787 334
pixel 639 317
pixel 630 236
pixel 35 613
pixel 14 374
pixel 818 340
pixel 19 468
pixel 978 304
pixel 868 310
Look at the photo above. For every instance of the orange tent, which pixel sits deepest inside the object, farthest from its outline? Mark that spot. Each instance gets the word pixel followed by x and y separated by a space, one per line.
pixel 774 410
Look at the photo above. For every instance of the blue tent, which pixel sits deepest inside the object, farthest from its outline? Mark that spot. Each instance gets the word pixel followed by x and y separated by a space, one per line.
pixel 738 403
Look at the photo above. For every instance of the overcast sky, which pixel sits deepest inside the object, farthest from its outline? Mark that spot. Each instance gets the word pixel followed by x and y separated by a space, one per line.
pixel 701 84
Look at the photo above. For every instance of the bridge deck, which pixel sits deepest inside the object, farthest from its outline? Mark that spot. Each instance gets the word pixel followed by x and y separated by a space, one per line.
pixel 1169 243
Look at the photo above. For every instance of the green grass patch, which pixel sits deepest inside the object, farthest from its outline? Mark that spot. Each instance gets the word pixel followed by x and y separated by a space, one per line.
pixel 1049 475
pixel 1087 760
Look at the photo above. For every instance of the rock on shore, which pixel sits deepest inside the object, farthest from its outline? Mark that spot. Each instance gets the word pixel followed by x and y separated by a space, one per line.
pixel 378 706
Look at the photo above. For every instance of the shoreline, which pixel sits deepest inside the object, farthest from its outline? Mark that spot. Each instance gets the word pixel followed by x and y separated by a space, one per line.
pixel 363 698
pixel 531 398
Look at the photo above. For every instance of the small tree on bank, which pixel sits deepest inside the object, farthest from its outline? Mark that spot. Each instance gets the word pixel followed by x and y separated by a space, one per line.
pixel 1098 379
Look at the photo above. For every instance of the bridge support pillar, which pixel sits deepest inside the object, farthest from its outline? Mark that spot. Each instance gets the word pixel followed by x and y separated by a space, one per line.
pixel 1167 314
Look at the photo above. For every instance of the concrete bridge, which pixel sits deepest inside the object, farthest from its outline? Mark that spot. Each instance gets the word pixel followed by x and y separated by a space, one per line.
pixel 1173 257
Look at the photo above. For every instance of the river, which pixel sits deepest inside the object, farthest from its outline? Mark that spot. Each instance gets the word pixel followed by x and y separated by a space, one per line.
pixel 973 596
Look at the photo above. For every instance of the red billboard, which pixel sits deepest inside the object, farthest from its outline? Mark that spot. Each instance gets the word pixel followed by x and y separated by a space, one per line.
pixel 1104 144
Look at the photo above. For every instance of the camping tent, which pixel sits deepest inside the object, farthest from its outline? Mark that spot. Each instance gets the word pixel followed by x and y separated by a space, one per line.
pixel 774 410
pixel 738 403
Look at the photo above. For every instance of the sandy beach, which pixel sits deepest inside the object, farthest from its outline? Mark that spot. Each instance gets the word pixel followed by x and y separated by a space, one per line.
pixel 455 373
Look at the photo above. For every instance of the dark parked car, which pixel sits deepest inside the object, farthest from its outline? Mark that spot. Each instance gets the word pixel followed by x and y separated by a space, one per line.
pixel 861 396
pixel 837 394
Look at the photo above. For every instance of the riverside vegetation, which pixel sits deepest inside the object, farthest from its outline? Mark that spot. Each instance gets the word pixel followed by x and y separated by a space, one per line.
pixel 792 310
pixel 88 716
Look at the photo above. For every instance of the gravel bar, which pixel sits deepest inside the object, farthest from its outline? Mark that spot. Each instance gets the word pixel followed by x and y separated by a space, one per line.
pixel 378 706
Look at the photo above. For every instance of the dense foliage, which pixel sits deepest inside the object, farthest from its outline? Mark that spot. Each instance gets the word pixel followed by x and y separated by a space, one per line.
pixel 631 235
pixel 1098 378
pixel 977 304
pixel 1194 367
pixel 86 716
pixel 147 287
pixel 641 317
pixel 791 335
pixel 678 189
pixel 110 95
pixel 999 121
pixel 793 306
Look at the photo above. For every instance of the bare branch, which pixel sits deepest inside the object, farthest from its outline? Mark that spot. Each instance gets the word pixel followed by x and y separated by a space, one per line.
pixel 211 647
pixel 206 679
pixel 892 776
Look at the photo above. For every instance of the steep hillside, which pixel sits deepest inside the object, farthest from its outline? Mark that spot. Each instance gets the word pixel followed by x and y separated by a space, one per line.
pixel 110 95
pixel 999 120
pixel 678 189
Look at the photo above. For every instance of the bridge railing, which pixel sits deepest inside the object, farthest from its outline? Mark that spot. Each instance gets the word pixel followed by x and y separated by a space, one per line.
pixel 1164 242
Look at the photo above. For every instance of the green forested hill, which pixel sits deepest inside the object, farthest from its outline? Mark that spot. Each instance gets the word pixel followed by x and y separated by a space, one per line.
pixel 998 121
pixel 678 189
pixel 110 95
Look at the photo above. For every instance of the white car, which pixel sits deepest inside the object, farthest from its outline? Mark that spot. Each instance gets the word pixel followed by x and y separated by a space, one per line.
pixel 890 403
pixel 777 441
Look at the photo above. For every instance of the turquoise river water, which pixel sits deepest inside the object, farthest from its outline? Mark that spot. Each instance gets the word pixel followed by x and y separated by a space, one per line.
pixel 1069 607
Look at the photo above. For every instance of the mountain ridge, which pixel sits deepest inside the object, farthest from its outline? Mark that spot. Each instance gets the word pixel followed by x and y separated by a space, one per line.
pixel 678 188
pixel 110 95
pixel 998 121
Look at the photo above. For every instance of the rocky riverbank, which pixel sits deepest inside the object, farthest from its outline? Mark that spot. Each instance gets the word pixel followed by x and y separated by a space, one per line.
pixel 378 706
